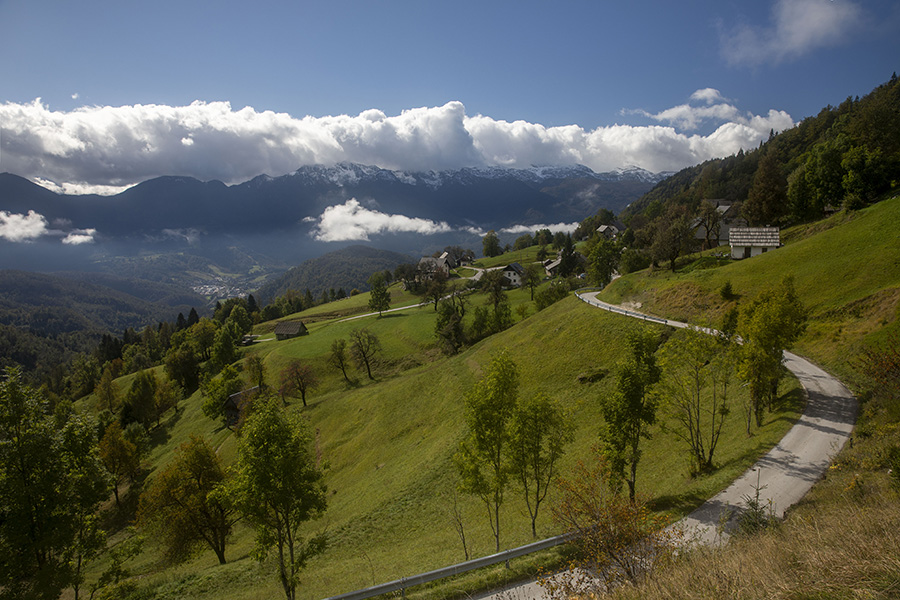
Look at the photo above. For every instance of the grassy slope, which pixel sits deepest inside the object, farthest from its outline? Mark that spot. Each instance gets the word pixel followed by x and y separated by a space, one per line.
pixel 846 268
pixel 387 447
pixel 841 541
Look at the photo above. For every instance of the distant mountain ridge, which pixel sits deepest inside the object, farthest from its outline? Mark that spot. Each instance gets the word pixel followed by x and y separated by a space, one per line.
pixel 345 174
pixel 489 197
pixel 275 217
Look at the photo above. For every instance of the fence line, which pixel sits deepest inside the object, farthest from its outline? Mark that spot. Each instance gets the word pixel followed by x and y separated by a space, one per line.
pixel 407 582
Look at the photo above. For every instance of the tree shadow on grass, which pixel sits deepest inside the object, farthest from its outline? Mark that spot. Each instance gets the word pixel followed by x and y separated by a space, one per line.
pixel 679 503
pixel 161 434
pixel 117 517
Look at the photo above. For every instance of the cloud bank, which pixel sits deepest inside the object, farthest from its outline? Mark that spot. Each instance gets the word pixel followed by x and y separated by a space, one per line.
pixel 103 149
pixel 797 28
pixel 351 221
pixel 15 227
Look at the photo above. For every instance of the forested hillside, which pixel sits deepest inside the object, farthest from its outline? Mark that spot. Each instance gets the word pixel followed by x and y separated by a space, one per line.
pixel 46 319
pixel 346 268
pixel 844 156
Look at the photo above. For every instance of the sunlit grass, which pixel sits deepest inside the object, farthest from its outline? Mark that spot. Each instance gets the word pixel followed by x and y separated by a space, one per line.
pixel 387 447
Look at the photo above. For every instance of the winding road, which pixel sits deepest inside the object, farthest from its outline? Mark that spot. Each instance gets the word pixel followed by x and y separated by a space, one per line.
pixel 784 475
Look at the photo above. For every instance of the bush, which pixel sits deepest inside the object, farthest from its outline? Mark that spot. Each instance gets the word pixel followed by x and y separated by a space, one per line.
pixel 555 292
pixel 633 260
pixel 616 540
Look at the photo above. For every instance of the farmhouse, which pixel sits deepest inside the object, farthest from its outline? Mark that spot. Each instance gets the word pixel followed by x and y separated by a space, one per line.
pixel 429 265
pixel 514 273
pixel 727 214
pixel 753 241
pixel 286 330
pixel 610 232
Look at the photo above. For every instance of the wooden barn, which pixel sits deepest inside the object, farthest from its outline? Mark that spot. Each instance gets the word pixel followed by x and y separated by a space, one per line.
pixel 286 330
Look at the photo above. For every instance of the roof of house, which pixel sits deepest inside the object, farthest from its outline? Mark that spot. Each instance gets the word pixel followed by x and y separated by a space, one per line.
pixel 289 328
pixel 766 237
pixel 515 267
pixel 436 262
pixel 612 228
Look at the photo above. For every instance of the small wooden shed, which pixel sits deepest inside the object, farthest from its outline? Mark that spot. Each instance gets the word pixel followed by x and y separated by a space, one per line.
pixel 234 405
pixel 286 330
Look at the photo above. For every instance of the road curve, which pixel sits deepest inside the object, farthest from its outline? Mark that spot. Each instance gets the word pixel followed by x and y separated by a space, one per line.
pixel 784 475
pixel 788 471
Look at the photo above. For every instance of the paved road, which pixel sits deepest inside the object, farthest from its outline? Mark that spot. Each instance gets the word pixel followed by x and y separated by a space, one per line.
pixel 786 473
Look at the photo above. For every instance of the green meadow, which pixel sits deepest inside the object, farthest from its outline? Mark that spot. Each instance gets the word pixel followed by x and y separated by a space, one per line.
pixel 846 268
pixel 386 447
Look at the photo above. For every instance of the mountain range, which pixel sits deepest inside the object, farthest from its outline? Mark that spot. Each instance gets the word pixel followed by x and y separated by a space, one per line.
pixel 270 216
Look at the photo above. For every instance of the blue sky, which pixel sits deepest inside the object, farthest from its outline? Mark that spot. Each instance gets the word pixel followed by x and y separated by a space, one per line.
pixel 229 90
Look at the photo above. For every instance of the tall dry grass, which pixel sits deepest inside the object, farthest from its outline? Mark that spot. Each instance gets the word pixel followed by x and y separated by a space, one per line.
pixel 847 548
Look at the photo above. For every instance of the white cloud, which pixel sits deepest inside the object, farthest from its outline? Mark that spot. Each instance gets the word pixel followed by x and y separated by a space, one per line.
pixel 80 236
pixel 717 110
pixel 797 27
pixel 352 221
pixel 16 227
pixel 76 188
pixel 708 95
pixel 563 227
pixel 102 149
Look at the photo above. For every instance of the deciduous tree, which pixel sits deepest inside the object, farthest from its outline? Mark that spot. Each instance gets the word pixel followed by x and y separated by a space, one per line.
pixel 298 377
pixel 490 244
pixel 604 260
pixel 256 371
pixel 617 540
pixel 140 400
pixel 539 430
pixel 119 456
pixel 768 325
pixel 217 390
pixel 338 357
pixel 364 346
pixel 167 395
pixel 698 369
pixel 481 459
pixel 277 487
pixel 534 274
pixel 107 391
pixel 436 288
pixel 631 409
pixel 51 483
pixel 185 504
pixel 379 296
pixel 448 326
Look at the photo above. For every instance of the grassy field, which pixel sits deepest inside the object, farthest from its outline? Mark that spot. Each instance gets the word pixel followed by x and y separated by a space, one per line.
pixel 387 445
pixel 523 257
pixel 841 541
pixel 846 269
